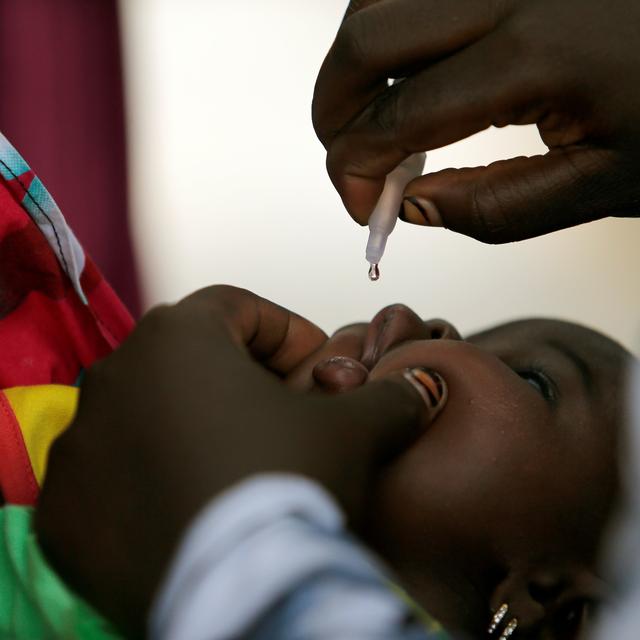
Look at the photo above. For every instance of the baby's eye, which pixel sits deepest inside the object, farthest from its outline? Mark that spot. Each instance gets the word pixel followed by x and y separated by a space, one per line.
pixel 541 382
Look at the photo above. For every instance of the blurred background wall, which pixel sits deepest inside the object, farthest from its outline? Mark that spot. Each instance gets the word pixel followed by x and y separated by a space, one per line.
pixel 228 185
pixel 62 106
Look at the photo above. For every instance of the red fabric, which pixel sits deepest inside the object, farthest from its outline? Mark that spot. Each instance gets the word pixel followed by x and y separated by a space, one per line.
pixel 17 480
pixel 62 106
pixel 109 314
pixel 47 335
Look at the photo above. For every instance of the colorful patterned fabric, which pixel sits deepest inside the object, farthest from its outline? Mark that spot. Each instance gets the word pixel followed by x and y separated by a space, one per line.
pixel 57 316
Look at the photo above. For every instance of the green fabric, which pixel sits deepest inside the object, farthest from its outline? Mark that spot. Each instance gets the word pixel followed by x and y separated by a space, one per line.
pixel 34 602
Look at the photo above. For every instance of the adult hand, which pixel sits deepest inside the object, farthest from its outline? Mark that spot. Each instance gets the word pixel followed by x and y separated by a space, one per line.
pixel 191 403
pixel 570 67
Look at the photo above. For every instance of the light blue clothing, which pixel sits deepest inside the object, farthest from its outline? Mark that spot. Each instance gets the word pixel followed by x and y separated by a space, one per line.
pixel 621 618
pixel 270 559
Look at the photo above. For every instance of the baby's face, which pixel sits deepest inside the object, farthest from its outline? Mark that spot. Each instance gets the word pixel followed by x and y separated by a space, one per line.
pixel 520 464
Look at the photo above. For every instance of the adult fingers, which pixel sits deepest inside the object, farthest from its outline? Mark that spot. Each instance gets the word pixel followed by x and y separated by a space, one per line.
pixel 487 83
pixel 357 5
pixel 339 374
pixel 519 198
pixel 389 414
pixel 345 343
pixel 381 40
pixel 273 335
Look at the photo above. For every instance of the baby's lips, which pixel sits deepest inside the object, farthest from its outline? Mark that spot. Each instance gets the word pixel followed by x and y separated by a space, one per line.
pixel 431 387
pixel 391 326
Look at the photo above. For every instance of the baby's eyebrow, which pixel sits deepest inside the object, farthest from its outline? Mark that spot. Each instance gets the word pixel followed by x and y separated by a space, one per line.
pixel 578 362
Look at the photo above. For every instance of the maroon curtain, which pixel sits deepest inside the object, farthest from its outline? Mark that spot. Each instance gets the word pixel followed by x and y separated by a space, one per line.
pixel 61 105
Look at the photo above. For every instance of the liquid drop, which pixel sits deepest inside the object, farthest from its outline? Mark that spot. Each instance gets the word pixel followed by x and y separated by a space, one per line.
pixel 374 273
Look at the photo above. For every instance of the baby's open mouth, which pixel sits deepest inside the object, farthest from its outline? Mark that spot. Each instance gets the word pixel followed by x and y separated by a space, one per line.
pixel 431 387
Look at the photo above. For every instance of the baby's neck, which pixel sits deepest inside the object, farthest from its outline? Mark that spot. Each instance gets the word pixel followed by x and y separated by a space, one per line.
pixel 456 598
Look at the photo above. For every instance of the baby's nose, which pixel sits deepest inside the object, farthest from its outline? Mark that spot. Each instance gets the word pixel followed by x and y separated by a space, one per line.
pixel 439 329
pixel 396 324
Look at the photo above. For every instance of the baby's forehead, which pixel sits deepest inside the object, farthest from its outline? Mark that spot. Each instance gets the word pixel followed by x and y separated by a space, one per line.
pixel 599 351
pixel 600 361
pixel 542 330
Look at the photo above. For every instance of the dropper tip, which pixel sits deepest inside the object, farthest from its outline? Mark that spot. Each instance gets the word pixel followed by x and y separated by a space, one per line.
pixel 374 272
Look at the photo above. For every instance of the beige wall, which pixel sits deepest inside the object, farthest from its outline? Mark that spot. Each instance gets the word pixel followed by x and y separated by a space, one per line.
pixel 229 186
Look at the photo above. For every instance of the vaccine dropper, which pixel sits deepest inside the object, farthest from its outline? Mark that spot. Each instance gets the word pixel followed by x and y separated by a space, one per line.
pixel 385 215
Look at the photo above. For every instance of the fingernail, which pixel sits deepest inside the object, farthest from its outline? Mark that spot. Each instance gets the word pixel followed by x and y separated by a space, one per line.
pixel 341 361
pixel 421 211
pixel 431 387
pixel 339 374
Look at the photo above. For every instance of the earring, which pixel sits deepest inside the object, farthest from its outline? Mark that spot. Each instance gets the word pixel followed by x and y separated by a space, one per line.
pixel 498 618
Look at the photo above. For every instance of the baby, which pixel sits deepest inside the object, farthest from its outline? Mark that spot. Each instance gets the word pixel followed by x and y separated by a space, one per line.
pixel 504 500
pixel 498 510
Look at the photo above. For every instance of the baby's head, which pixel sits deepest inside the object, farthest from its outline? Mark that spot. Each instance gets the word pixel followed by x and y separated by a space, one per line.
pixel 506 497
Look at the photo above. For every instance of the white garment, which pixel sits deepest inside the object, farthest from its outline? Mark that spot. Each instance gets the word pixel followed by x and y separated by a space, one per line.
pixel 270 559
pixel 621 619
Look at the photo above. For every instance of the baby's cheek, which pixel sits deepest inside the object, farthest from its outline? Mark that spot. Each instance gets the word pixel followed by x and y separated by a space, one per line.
pixel 485 396
pixel 481 451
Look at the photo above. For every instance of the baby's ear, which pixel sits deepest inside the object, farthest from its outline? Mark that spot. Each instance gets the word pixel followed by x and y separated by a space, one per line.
pixel 557 602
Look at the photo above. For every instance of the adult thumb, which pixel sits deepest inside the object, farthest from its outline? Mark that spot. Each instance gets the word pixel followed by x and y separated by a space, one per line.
pixel 518 198
pixel 387 415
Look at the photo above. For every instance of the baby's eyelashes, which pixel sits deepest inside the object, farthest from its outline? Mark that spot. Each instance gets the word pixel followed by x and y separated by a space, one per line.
pixel 541 382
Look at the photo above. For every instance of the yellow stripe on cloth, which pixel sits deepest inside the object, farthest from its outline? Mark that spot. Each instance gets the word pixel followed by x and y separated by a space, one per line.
pixel 43 413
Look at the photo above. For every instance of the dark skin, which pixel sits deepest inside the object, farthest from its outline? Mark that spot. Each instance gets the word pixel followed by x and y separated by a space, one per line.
pixel 470 514
pixel 197 383
pixel 506 496
pixel 568 67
